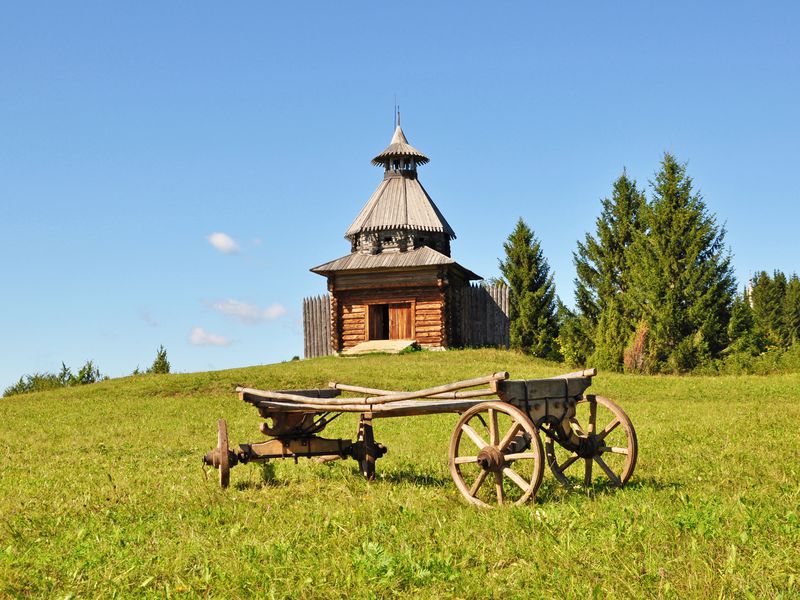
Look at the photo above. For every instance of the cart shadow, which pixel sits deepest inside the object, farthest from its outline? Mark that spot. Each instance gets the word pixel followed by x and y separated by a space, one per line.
pixel 552 491
pixel 411 476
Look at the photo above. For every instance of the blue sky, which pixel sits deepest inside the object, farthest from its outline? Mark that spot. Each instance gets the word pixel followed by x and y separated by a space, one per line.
pixel 130 134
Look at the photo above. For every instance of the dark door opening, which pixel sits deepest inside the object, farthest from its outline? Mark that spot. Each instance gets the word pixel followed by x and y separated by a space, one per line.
pixel 379 321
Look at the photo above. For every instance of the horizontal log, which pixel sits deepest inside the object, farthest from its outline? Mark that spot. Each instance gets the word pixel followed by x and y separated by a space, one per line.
pixel 407 408
pixel 443 396
pixel 410 288
pixel 585 373
pixel 373 400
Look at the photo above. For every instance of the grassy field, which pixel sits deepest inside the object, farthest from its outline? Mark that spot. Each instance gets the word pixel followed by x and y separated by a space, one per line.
pixel 102 494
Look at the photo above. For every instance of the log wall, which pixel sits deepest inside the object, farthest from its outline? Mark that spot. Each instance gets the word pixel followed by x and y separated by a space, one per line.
pixel 427 306
pixel 470 315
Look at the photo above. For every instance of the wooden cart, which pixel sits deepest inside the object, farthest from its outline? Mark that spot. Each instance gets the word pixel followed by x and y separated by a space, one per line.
pixel 496 454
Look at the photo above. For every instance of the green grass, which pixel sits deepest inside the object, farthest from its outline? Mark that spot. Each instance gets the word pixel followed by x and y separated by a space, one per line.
pixel 102 493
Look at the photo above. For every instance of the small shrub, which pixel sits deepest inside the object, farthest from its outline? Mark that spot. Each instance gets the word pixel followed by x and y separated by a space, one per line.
pixel 39 382
pixel 88 373
pixel 160 364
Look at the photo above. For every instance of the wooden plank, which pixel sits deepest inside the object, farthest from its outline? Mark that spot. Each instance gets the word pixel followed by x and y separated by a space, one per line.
pixel 373 400
pixel 327 316
pixel 315 311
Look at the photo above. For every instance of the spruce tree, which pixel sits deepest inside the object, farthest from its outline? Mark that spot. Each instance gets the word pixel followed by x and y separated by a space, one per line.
pixel 160 363
pixel 602 263
pixel 683 283
pixel 532 301
pixel 768 295
pixel 791 310
pixel 742 333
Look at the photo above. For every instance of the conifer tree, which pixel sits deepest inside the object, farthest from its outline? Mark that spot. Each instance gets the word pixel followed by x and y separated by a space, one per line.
pixel 160 363
pixel 532 302
pixel 791 310
pixel 742 333
pixel 768 295
pixel 603 274
pixel 683 283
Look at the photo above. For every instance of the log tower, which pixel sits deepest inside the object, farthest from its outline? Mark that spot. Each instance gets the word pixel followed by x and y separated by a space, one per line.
pixel 399 281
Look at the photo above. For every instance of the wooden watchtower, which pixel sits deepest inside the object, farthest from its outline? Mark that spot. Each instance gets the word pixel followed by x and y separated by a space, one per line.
pixel 398 282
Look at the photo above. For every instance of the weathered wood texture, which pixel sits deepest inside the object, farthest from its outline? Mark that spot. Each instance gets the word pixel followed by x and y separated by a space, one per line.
pixel 469 315
pixel 317 326
pixel 480 315
pixel 427 319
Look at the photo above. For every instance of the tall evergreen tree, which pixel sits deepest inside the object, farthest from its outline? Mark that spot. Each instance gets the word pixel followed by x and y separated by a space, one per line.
pixel 791 310
pixel 532 302
pixel 683 282
pixel 768 295
pixel 602 262
pixel 742 333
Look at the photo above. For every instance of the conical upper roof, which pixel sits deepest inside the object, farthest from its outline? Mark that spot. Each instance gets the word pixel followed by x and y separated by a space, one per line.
pixel 400 202
pixel 399 147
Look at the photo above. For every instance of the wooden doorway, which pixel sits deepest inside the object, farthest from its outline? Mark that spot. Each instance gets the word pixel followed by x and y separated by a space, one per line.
pixel 378 322
pixel 390 321
pixel 400 321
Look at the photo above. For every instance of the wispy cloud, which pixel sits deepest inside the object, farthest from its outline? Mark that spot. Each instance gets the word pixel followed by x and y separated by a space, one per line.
pixel 145 316
pixel 246 312
pixel 223 242
pixel 201 337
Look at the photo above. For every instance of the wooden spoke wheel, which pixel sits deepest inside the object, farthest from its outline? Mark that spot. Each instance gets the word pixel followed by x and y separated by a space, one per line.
pixel 366 437
pixel 611 442
pixel 222 453
pixel 496 455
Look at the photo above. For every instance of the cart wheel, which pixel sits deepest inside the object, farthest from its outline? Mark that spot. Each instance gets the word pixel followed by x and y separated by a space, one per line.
pixel 495 442
pixel 367 437
pixel 222 453
pixel 615 446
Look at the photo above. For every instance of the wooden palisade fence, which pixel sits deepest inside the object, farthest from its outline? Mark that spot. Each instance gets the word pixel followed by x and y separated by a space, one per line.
pixel 317 326
pixel 479 314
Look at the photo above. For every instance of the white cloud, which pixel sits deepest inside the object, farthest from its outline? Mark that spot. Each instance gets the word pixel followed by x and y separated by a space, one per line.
pixel 248 313
pixel 223 242
pixel 274 311
pixel 200 337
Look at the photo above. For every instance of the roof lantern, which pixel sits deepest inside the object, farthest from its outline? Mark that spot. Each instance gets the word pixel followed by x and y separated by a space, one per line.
pixel 399 154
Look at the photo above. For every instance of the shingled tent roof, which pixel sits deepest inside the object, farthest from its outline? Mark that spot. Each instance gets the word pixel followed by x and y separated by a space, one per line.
pixel 399 147
pixel 400 202
pixel 419 257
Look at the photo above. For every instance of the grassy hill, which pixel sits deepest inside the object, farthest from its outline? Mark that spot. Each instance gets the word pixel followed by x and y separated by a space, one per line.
pixel 102 493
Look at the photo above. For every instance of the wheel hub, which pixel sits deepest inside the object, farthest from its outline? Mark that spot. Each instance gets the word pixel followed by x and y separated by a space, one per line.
pixel 491 459
pixel 587 447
